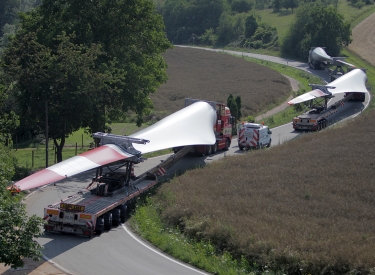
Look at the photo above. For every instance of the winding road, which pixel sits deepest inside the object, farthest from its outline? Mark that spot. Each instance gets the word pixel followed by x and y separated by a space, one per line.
pixel 119 251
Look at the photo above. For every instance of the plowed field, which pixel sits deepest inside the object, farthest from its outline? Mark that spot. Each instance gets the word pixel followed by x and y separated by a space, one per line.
pixel 214 76
pixel 364 39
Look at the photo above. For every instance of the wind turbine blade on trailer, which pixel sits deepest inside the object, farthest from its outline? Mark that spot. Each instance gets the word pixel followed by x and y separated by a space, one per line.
pixel 88 160
pixel 353 81
pixel 189 126
pixel 342 62
pixel 307 96
pixel 192 125
pixel 320 54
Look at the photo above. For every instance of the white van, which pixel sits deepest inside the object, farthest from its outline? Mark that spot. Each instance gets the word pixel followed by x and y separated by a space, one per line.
pixel 253 135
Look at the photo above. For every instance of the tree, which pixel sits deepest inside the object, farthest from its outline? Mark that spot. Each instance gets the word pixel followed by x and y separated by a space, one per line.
pixel 17 231
pixel 292 4
pixel 8 117
pixel 242 5
pixel 232 105
pixel 226 32
pixel 184 17
pixel 239 107
pixel 91 62
pixel 251 26
pixel 276 4
pixel 8 12
pixel 316 26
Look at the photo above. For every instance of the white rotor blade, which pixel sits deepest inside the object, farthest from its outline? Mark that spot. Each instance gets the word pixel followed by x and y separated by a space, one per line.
pixel 88 160
pixel 353 81
pixel 320 54
pixel 345 63
pixel 192 125
pixel 307 96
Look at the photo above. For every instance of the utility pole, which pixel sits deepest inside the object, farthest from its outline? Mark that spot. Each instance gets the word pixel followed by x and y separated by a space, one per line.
pixel 46 133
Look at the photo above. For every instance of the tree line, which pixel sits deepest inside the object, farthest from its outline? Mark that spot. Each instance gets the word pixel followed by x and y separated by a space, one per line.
pixel 221 23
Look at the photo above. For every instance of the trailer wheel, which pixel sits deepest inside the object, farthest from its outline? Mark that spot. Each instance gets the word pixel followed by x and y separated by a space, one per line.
pixel 99 226
pixel 123 213
pixel 107 221
pixel 214 148
pixel 116 213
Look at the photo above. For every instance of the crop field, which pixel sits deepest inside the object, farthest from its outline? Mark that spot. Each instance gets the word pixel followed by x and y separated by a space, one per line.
pixel 307 204
pixel 214 76
pixel 364 39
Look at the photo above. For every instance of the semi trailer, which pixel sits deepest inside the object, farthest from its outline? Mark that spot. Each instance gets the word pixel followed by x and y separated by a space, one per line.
pixel 103 204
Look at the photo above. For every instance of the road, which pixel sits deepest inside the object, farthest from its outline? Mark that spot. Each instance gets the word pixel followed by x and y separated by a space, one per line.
pixel 119 251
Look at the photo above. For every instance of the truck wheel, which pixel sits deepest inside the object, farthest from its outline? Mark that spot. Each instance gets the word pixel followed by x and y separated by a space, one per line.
pixel 107 221
pixel 99 226
pixel 116 213
pixel 214 148
pixel 227 145
pixel 269 144
pixel 123 213
pixel 208 150
pixel 241 147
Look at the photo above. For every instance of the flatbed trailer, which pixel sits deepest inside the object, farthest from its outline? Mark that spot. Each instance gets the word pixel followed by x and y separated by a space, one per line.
pixel 318 117
pixel 103 203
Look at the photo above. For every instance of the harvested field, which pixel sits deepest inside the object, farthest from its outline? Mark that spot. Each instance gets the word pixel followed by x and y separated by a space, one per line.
pixel 308 204
pixel 364 39
pixel 214 76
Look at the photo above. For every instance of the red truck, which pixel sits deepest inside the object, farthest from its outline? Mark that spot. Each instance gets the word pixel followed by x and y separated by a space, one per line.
pixel 222 129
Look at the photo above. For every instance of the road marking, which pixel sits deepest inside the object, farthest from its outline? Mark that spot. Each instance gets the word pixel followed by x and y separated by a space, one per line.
pixel 161 254
pixel 57 265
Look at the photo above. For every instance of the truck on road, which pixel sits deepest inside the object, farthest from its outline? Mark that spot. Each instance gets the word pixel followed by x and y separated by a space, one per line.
pixel 103 203
pixel 253 135
pixel 319 59
pixel 317 117
pixel 222 129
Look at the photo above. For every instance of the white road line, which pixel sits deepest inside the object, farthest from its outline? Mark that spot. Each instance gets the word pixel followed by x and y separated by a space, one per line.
pixel 161 254
pixel 57 265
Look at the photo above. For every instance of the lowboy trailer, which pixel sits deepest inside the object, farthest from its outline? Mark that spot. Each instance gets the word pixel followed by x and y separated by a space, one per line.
pixel 318 117
pixel 103 203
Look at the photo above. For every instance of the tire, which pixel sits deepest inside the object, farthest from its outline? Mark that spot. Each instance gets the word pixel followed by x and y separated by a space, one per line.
pixel 269 144
pixel 241 147
pixel 214 148
pixel 116 214
pixel 227 145
pixel 208 150
pixel 99 227
pixel 108 221
pixel 123 213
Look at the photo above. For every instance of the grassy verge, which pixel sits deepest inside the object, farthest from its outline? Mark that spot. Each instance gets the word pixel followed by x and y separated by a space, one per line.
pixel 147 223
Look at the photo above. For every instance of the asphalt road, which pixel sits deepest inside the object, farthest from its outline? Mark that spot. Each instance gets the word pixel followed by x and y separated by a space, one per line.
pixel 119 251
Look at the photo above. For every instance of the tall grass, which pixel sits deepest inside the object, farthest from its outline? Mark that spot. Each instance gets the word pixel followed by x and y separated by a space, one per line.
pixel 202 254
pixel 308 204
